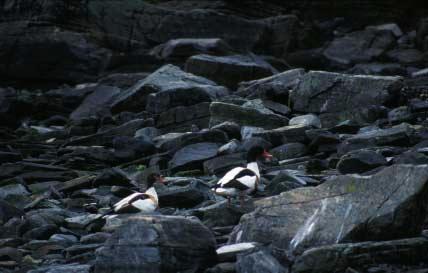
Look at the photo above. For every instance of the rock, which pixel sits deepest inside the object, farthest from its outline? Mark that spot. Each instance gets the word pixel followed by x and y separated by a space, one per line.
pixel 230 70
pixel 221 164
pixel 192 156
pixel 406 56
pixel 411 157
pixel 352 99
pixel 181 49
pixel 221 112
pixel 56 54
pixel 182 118
pixel 359 47
pixel 69 268
pixel 248 131
pixel 81 221
pixel 184 194
pixel 11 190
pixel 398 135
pixel 399 115
pixel 158 244
pixel 232 129
pixel 147 134
pixel 229 252
pixel 259 262
pixel 289 150
pixel 306 120
pixel 360 161
pixel 284 134
pixel 381 69
pixel 340 210
pixel 277 108
pixel 95 238
pixel 170 87
pixel 394 28
pixel 40 233
pixel 96 104
pixel 220 214
pixel 271 87
pixel 8 211
pixel 122 80
pixel 64 239
pixel 338 257
pixel 128 148
pixel 284 181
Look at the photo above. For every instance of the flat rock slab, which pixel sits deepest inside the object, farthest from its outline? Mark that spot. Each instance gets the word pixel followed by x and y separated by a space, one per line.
pixel 158 244
pixel 338 257
pixel 348 208
pixel 221 112
pixel 337 97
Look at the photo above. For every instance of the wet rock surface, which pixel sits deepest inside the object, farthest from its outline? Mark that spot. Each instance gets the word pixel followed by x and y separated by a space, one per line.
pixel 97 95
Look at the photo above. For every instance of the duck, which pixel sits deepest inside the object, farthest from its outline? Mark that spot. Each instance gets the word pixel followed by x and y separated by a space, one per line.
pixel 242 181
pixel 146 202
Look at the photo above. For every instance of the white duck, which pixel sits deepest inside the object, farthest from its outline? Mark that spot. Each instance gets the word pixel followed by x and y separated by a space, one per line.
pixel 141 202
pixel 241 181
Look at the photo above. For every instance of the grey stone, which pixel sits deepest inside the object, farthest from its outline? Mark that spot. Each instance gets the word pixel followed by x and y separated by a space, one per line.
pixel 337 97
pixel 170 87
pixel 309 120
pixel 158 244
pixel 360 161
pixel 259 262
pixel 340 210
pixel 229 70
pixel 191 157
pixel 221 112
pixel 284 134
pixel 289 150
pixel 406 56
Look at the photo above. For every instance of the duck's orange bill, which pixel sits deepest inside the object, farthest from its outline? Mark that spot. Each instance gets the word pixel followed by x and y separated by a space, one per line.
pixel 266 154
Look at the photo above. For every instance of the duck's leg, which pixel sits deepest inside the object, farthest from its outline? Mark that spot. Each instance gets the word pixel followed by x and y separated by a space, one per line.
pixel 228 201
pixel 241 199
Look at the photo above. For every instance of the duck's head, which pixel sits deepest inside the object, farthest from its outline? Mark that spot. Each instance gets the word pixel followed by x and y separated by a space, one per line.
pixel 154 178
pixel 256 153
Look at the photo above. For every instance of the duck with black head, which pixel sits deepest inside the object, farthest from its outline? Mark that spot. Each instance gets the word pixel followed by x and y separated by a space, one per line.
pixel 241 181
pixel 141 202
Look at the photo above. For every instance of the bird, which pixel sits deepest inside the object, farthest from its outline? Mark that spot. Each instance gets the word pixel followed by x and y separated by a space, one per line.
pixel 242 181
pixel 141 202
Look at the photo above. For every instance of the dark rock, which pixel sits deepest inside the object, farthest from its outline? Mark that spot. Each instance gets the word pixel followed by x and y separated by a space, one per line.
pixel 221 112
pixel 96 104
pixel 112 177
pixel 272 87
pixel 353 95
pixel 284 181
pixel 69 268
pixel 95 238
pixel 411 157
pixel 399 115
pixel 340 210
pixel 8 191
pixel 359 47
pixel 220 214
pixel 8 211
pixel 158 244
pixel 284 134
pixel 398 135
pixel 289 150
pixel 122 80
pixel 360 161
pixel 406 56
pixel 309 120
pixel 338 257
pixel 222 164
pixel 181 49
pixel 191 157
pixel 230 70
pixel 129 148
pixel 184 194
pixel 55 55
pixel 40 233
pixel 382 69
pixel 322 141
pixel 147 134
pixel 171 87
pixel 259 262
pixel 232 129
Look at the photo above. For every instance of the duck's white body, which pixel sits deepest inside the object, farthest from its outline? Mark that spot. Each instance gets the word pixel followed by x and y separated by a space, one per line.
pixel 145 202
pixel 239 180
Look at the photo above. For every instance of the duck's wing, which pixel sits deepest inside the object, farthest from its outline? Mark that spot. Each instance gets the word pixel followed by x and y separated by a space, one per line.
pixel 146 205
pixel 234 174
pixel 249 181
pixel 244 180
pixel 126 200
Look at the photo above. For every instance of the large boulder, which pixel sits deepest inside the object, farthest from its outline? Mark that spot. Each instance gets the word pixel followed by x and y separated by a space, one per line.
pixel 244 116
pixel 47 53
pixel 191 157
pixel 229 70
pixel 275 86
pixel 338 97
pixel 167 87
pixel 359 47
pixel 96 104
pixel 162 244
pixel 360 256
pixel 349 208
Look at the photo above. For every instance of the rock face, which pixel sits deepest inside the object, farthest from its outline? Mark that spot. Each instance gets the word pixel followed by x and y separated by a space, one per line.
pixel 230 70
pixel 221 112
pixel 171 87
pixel 337 97
pixel 342 208
pixel 158 244
pixel 336 258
